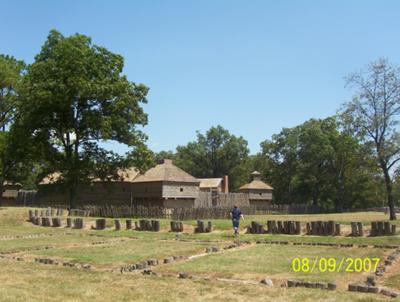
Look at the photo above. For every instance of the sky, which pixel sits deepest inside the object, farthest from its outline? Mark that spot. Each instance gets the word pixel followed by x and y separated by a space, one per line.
pixel 253 67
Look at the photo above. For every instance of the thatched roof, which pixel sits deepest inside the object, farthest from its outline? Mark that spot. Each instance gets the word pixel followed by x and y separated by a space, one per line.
pixel 256 185
pixel 127 175
pixel 166 171
pixel 210 182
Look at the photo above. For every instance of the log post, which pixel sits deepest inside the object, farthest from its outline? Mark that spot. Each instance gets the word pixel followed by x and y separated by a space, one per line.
pixel 269 227
pixel 360 229
pixel 298 228
pixel 209 227
pixel 393 230
pixel 285 227
pixel 331 228
pixel 380 228
pixel 353 228
pixel 156 226
pixel 56 222
pixel 128 224
pixel 30 215
pixel 280 227
pixel 374 228
pixel 117 224
pixel 337 229
pixel 308 228
pixel 100 224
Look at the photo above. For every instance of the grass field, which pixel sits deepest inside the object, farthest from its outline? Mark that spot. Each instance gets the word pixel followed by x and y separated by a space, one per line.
pixel 227 275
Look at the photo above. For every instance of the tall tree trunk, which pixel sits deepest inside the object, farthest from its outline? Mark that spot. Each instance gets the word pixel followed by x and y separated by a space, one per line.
pixel 389 193
pixel 389 190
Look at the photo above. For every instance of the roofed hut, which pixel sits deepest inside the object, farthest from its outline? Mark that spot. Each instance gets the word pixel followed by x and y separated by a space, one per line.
pixel 167 186
pixel 219 185
pixel 110 191
pixel 259 192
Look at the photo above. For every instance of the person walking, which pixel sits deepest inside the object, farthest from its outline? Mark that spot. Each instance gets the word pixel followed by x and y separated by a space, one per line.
pixel 236 214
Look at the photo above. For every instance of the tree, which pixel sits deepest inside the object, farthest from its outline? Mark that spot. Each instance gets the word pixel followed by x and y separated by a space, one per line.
pixel 11 71
pixel 374 112
pixel 73 97
pixel 319 162
pixel 159 156
pixel 215 154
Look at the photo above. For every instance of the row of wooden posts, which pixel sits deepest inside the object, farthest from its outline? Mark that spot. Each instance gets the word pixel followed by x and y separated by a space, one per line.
pixel 321 228
pixel 49 212
pixel 100 224
pixel 317 228
pixel 76 223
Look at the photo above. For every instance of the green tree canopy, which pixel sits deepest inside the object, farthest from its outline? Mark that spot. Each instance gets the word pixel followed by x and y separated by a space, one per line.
pixel 74 96
pixel 317 162
pixel 215 154
pixel 11 72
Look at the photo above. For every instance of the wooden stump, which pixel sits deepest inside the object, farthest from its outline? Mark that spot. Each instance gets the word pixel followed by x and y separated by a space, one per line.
pixel 209 228
pixel 148 225
pixel 320 229
pixel 46 221
pixel 129 224
pixel 156 226
pixel 100 224
pixel 142 224
pixel 78 223
pixel 117 224
pixel 387 229
pixel 36 220
pixel 280 227
pixel 298 227
pixel 30 215
pixel 260 229
pixel 337 229
pixel 374 228
pixel 269 227
pixel 292 227
pixel 176 226
pixel 286 227
pixel 380 230
pixel 360 229
pixel 393 230
pixel 331 227
pixel 56 222
pixel 353 228
pixel 36 213
pixel 200 226
pixel 313 228
pixel 308 228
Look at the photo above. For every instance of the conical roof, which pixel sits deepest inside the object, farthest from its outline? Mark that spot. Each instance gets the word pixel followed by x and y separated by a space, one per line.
pixel 166 171
pixel 256 183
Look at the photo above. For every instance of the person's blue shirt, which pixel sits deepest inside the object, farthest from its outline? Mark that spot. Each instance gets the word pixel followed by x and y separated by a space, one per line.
pixel 236 213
